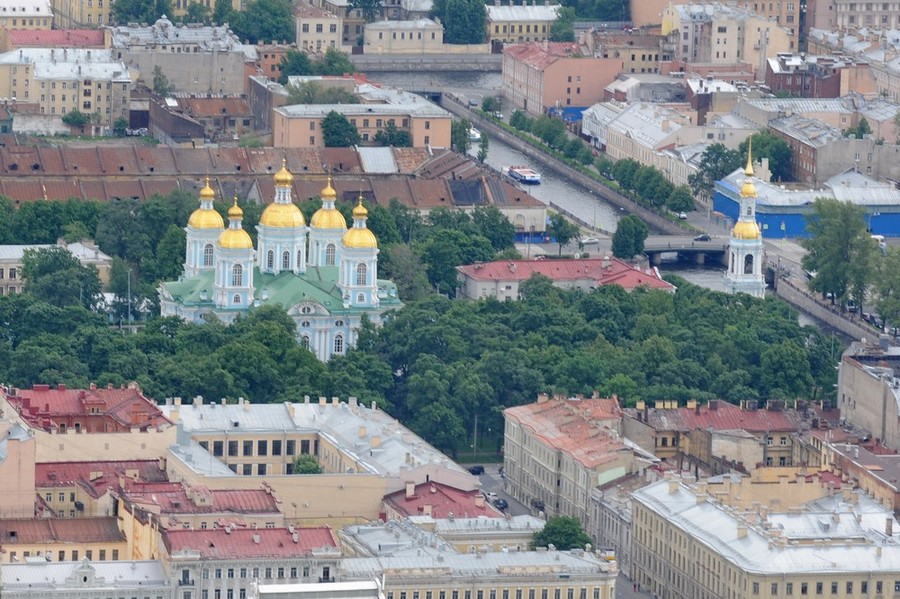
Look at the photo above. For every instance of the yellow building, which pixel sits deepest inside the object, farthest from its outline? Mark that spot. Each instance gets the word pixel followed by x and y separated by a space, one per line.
pixel 428 125
pixel 688 545
pixel 74 14
pixel 96 539
pixel 352 19
pixel 61 80
pixel 26 14
pixel 317 29
pixel 422 36
pixel 516 24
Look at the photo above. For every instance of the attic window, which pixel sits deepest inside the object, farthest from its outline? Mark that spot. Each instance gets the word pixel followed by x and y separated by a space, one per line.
pixel 152 168
pixel 14 166
pixel 36 166
pixel 237 166
pixel 224 111
pixel 121 169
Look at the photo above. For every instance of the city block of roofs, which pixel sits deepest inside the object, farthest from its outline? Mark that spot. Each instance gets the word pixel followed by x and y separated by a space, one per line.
pixel 201 496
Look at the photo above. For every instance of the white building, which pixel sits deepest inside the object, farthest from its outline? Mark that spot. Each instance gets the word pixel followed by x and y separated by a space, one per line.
pixel 37 578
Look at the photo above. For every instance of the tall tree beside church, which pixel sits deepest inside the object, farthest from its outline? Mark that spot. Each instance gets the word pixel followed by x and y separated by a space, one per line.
pixel 464 21
pixel 139 11
pixel 264 21
pixel 222 12
pixel 716 163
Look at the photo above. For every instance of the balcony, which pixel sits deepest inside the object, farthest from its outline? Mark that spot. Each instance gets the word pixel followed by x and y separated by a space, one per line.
pixel 326 578
pixel 186 582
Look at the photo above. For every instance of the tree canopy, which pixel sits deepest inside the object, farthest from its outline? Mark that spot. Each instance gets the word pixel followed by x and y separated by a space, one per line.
pixel 562 230
pixel 264 21
pixel 139 11
pixel 628 240
pixel 392 136
pixel 307 464
pixel 338 131
pixel 563 532
pixel 768 145
pixel 717 162
pixel 465 21
pixel 562 29
pixel 310 92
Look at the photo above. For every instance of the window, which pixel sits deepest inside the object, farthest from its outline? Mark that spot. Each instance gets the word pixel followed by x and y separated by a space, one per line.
pixel 230 573
pixel 262 448
pixel 361 274
pixel 217 448
pixel 286 261
pixel 774 588
pixel 232 448
pixel 864 587
pixel 237 275
pixel 276 447
pixel 789 588
pixel 299 258
pixel 804 588
pixel 270 259
pixel 248 447
pixel 74 555
pixel 261 469
pixel 819 588
pixel 12 273
pixel 247 470
pixel 329 255
pixel 849 588
pixel 208 255
pixel 427 125
pixel 879 586
pixel 339 344
pixel 89 554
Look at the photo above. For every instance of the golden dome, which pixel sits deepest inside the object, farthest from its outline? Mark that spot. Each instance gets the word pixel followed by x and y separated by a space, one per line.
pixel 360 238
pixel 207 192
pixel 235 210
pixel 745 230
pixel 235 239
pixel 283 216
pixel 283 177
pixel 206 218
pixel 328 192
pixel 748 189
pixel 328 218
pixel 359 211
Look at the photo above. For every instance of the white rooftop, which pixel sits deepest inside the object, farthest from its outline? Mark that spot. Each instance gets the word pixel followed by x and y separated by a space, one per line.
pixel 86 254
pixel 377 160
pixel 522 13
pixel 414 25
pixel 829 544
pixel 393 538
pixel 26 8
pixel 164 32
pixel 646 123
pixel 69 63
pixel 119 576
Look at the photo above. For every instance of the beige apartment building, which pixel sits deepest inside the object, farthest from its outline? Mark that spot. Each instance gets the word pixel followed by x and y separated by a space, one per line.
pixel 718 34
pixel 784 12
pixel 689 545
pixel 75 14
pixel 853 14
pixel 556 451
pixel 60 80
pixel 422 36
pixel 68 540
pixel 869 390
pixel 518 24
pixel 316 28
pixel 639 52
pixel 17 449
pixel 12 256
pixel 300 126
pixel 26 14
pixel 540 76
pixel 353 21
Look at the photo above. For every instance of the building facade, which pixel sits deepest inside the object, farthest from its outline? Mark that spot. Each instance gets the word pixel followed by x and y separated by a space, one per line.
pixel 869 391
pixel 317 29
pixel 17 449
pixel 226 276
pixel 540 76
pixel 517 24
pixel 85 579
pixel 58 540
pixel 421 36
pixel 808 76
pixel 27 14
pixel 12 256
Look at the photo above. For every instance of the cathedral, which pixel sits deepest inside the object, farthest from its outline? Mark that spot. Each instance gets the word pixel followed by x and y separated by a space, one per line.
pixel 745 250
pixel 325 275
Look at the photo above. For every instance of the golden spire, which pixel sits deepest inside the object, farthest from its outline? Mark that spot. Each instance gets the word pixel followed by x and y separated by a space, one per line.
pixel 749 170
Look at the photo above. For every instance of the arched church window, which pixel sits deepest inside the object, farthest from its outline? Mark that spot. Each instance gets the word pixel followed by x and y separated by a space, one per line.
pixel 236 299
pixel 329 255
pixel 361 298
pixel 286 261
pixel 299 258
pixel 339 344
pixel 270 259
pixel 361 274
pixel 748 265
pixel 237 276
pixel 208 255
pixel 305 342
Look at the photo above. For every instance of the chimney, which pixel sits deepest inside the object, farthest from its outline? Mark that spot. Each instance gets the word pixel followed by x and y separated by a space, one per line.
pixel 256 538
pixel 426 510
pixel 479 501
pixel 673 486
pixel 295 537
pixel 889 526
pixel 741 532
pixel 410 489
pixel 362 432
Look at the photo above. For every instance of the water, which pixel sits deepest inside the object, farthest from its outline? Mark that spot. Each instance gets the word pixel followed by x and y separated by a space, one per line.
pixel 573 198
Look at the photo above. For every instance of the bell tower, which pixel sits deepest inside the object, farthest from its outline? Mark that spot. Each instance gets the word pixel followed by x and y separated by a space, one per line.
pixel 745 250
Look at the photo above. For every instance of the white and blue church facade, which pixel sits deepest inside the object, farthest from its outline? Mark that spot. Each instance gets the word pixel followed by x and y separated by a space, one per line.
pixel 745 248
pixel 325 275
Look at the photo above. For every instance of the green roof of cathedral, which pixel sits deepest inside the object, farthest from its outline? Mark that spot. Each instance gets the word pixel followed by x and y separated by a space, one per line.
pixel 317 285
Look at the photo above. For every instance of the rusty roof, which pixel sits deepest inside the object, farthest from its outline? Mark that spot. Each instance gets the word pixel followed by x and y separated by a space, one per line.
pixel 237 543
pixel 54 530
pixel 719 415
pixel 443 501
pixel 95 477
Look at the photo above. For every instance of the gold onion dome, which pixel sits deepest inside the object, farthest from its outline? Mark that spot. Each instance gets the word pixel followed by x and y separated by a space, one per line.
pixel 283 216
pixel 235 238
pixel 283 177
pixel 745 230
pixel 360 237
pixel 206 218
pixel 359 211
pixel 328 191
pixel 328 217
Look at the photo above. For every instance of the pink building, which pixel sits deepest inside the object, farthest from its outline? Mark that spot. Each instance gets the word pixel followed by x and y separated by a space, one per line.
pixel 543 75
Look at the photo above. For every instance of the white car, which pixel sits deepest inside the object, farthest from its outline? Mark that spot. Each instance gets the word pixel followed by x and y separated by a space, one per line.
pixel 589 241
pixel 489 495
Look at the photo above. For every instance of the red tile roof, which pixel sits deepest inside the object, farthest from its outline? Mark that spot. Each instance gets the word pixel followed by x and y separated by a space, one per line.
pixel 97 410
pixel 236 543
pixel 52 530
pixel 581 428
pixel 535 54
pixel 96 477
pixel 444 501
pixel 722 416
pixel 55 38
pixel 597 271
pixel 173 498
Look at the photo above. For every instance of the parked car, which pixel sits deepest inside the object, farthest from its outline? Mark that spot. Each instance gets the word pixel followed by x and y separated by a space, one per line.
pixel 490 495
pixel 703 237
pixel 476 470
pixel 501 504
pixel 589 240
pixel 682 216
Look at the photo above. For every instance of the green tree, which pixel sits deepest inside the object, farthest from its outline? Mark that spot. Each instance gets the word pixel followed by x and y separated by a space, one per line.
pixel 161 85
pixel 119 127
pixel 465 21
pixel 563 28
pixel 460 135
pixel 563 532
pixel 767 144
pixel 680 200
pixel 221 12
pixel 490 104
pixel 625 172
pixel 55 276
pixel 335 62
pixel 861 130
pixel 76 118
pixel 391 136
pixel 839 250
pixel 404 267
pixel 338 131
pixel 483 146
pixel 519 120
pixel 293 63
pixel 197 13
pixel 307 464
pixel 562 230
pixel 370 9
pixel 628 240
pixel 264 21
pixel 887 286
pixel 785 370
pixel 310 92
pixel 494 226
pixel 717 163
pixel 139 11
